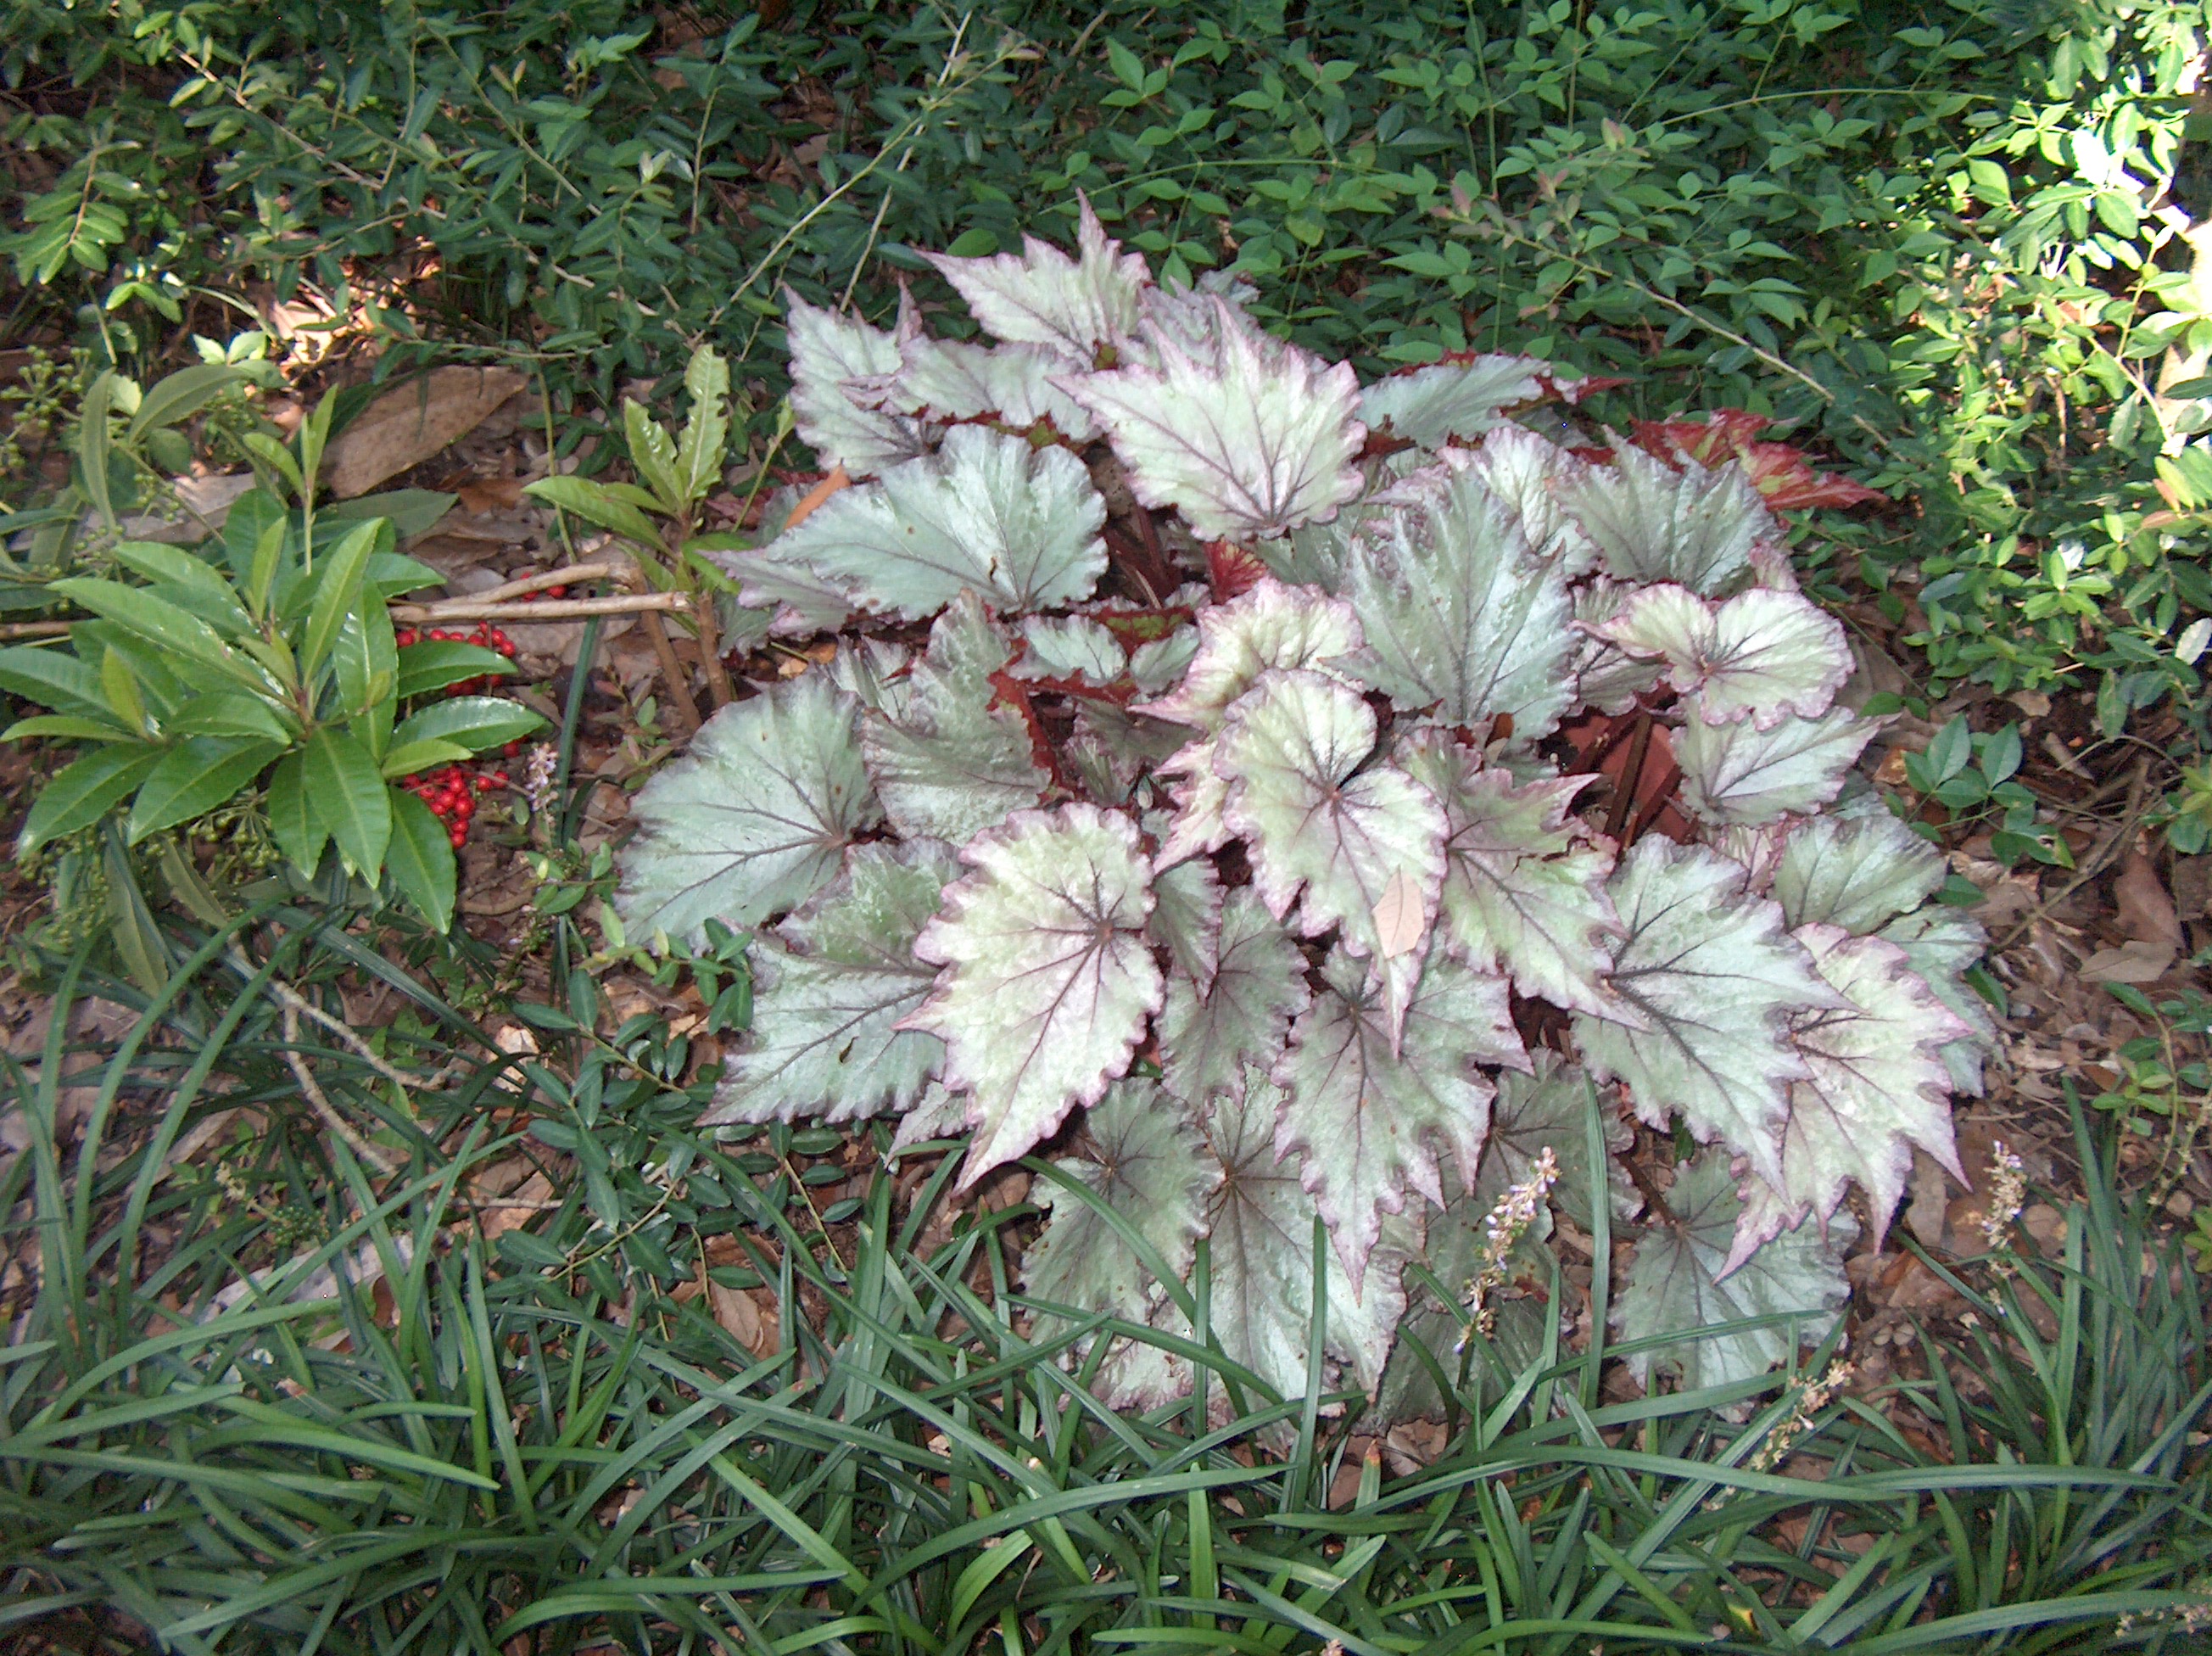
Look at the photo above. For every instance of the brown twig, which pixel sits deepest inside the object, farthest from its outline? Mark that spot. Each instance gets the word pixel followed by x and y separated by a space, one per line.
pixel 35 628
pixel 2099 858
pixel 548 609
pixel 327 1111
pixel 1632 774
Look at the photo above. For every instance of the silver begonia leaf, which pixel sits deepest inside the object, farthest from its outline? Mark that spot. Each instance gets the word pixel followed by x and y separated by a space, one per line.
pixel 1548 1108
pixel 1718 983
pixel 1047 983
pixel 987 512
pixel 1149 1168
pixel 1259 1222
pixel 829 986
pixel 1855 873
pixel 1678 1284
pixel 1738 773
pixel 1372 1109
pixel 1460 617
pixel 1694 525
pixel 1358 849
pixel 1072 647
pixel 1876 1088
pixel 1524 882
pixel 946 763
pixel 1763 652
pixel 1941 945
pixel 948 379
pixel 1040 297
pixel 1448 402
pixel 1523 470
pixel 834 361
pixel 1211 1029
pixel 1246 438
pixel 752 819
pixel 1607 677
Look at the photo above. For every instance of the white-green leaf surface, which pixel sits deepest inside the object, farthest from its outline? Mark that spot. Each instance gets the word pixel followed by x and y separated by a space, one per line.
pixel 830 987
pixel 1247 436
pixel 1260 1223
pixel 1548 1109
pixel 1149 1168
pixel 1763 652
pixel 986 514
pixel 947 379
pixel 753 819
pixel 1876 1088
pixel 1855 872
pixel 1524 882
pixel 835 363
pixel 1069 647
pixel 1358 849
pixel 1448 402
pixel 1047 982
pixel 1738 773
pixel 1211 1030
pixel 1942 945
pixel 1040 297
pixel 1459 617
pixel 1675 1284
pixel 1718 983
pixel 1186 917
pixel 1607 677
pixel 947 763
pixel 1372 1111
pixel 1525 473
pixel 1695 526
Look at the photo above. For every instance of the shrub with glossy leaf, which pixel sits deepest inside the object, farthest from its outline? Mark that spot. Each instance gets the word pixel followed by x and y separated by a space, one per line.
pixel 1240 802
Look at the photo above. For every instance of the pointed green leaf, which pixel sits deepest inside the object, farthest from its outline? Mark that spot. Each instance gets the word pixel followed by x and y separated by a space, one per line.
pixel 337 589
pixel 592 502
pixel 195 776
pixel 437 662
pixel 476 722
pixel 706 437
pixel 85 790
pixel 229 713
pixel 351 796
pixel 652 455
pixel 295 822
pixel 420 860
pixel 162 625
pixel 52 677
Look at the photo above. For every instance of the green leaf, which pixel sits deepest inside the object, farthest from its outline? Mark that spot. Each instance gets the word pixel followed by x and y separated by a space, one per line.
pixel 95 444
pixel 190 583
pixel 475 721
pixel 594 504
pixel 420 860
pixel 652 452
pixel 294 823
pixel 413 512
pixel 275 456
pixel 194 777
pixel 707 429
pixel 177 398
pixel 407 758
pixel 54 679
pixel 437 662
pixel 84 792
pixel 351 795
pixel 337 589
pixel 67 727
pixel 176 633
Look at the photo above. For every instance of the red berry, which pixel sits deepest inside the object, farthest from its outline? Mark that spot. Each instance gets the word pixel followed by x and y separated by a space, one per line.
pixel 484 784
pixel 499 779
pixel 513 747
pixel 458 839
pixel 556 592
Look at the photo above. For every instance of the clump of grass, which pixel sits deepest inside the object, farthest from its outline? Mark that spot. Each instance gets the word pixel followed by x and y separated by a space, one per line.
pixel 306 1409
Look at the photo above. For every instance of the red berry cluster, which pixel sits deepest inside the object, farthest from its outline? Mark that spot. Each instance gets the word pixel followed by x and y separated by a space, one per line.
pixel 485 636
pixel 447 794
pixel 545 592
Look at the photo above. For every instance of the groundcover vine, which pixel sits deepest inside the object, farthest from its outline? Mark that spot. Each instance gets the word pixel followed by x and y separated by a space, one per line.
pixel 1346 802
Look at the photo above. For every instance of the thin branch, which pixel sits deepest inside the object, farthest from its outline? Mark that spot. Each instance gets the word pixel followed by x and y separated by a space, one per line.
pixel 549 609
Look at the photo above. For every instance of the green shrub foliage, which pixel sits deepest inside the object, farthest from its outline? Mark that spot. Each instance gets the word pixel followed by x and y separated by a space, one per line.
pixel 1238 803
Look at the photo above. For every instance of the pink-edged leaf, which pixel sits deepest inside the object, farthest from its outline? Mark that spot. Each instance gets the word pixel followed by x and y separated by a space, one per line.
pixel 1857 872
pixel 1458 616
pixel 1524 472
pixel 1448 402
pixel 1607 677
pixel 829 986
pixel 1942 945
pixel 1371 1111
pixel 1151 1169
pixel 987 513
pixel 1040 297
pixel 1876 1088
pixel 1680 1283
pixel 1047 982
pixel 1738 773
pixel 1246 439
pixel 838 365
pixel 1186 917
pixel 1323 834
pixel 1719 984
pixel 1765 653
pixel 1260 1230
pixel 1693 526
pixel 948 379
pixel 945 762
pixel 1524 882
pixel 1209 1032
